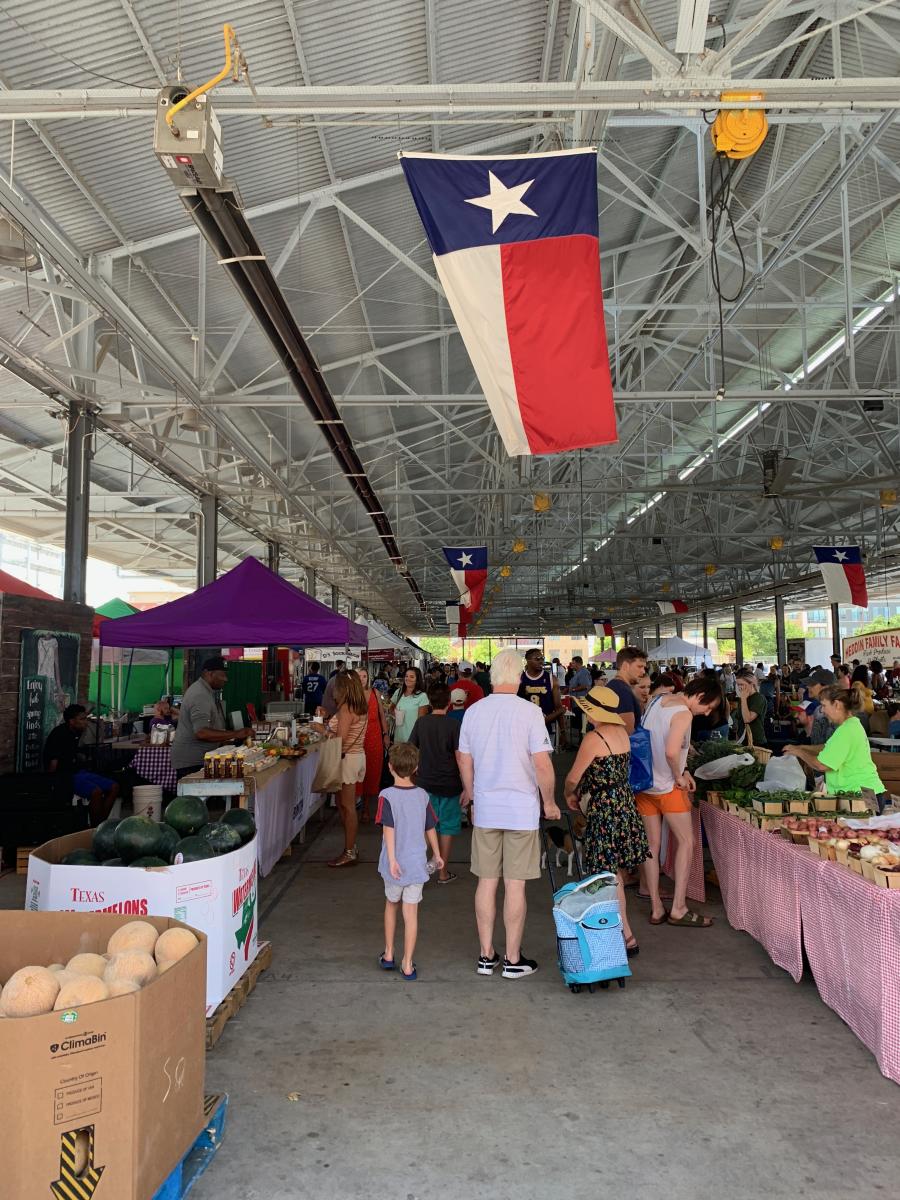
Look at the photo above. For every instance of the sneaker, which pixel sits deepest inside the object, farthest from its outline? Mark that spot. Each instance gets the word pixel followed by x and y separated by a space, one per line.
pixel 486 966
pixel 525 966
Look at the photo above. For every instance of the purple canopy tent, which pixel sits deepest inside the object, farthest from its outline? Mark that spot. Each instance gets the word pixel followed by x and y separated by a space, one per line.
pixel 248 606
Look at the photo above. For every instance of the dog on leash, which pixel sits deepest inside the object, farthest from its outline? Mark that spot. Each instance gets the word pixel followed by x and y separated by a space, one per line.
pixel 562 841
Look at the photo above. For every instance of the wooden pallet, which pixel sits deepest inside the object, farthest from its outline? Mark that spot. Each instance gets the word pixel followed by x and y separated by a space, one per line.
pixel 22 853
pixel 200 1155
pixel 237 997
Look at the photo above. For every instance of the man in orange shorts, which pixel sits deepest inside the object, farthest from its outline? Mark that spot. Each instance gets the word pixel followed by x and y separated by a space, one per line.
pixel 669 723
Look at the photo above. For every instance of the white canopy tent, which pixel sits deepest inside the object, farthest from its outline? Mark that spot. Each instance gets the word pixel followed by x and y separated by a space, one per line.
pixel 676 647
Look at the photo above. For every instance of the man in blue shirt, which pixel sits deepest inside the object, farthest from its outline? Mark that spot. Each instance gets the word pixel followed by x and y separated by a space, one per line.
pixel 631 665
pixel 312 689
pixel 579 686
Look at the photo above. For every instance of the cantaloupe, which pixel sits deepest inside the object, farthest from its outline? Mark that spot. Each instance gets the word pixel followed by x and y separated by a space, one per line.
pixel 164 966
pixel 57 967
pixel 136 965
pixel 122 987
pixel 87 964
pixel 136 935
pixel 87 989
pixel 30 992
pixel 66 976
pixel 174 944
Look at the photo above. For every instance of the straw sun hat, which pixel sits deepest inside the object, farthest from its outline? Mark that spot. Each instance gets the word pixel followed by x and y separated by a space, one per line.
pixel 601 705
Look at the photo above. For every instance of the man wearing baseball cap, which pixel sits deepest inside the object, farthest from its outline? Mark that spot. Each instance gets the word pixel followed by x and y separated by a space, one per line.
pixel 202 722
pixel 821 728
pixel 467 684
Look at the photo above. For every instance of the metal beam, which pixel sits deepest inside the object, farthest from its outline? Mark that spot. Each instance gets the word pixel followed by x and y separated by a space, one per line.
pixel 663 61
pixel 721 60
pixel 78 487
pixel 780 640
pixel 207 542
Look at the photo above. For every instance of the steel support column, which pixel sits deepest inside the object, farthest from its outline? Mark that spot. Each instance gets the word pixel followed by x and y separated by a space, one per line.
pixel 738 637
pixel 658 635
pixel 208 541
pixel 780 640
pixel 625 638
pixel 78 487
pixel 352 609
pixel 705 629
pixel 836 630
pixel 273 556
pixel 335 599
pixel 311 582
pixel 679 627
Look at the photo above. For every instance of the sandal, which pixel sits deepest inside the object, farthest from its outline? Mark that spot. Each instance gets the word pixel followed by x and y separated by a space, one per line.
pixel 386 964
pixel 411 977
pixel 450 877
pixel 350 858
pixel 691 920
pixel 632 949
pixel 660 920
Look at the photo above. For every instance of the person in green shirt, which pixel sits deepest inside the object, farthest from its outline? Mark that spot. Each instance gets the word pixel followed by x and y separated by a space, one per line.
pixel 846 758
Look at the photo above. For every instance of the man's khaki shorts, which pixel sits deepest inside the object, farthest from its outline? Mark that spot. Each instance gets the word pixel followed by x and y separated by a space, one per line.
pixel 353 767
pixel 506 853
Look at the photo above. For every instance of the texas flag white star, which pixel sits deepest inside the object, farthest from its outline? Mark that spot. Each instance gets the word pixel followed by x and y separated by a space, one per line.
pixel 503 201
pixel 465 560
pixel 840 555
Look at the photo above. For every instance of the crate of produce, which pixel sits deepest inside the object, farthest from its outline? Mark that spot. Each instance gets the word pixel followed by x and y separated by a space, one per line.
pixel 854 862
pixel 764 803
pixel 849 802
pixel 109 1070
pixel 886 878
pixel 823 804
pixel 211 887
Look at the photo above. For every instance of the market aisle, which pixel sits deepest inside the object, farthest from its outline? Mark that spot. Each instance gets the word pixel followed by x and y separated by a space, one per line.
pixel 712 1074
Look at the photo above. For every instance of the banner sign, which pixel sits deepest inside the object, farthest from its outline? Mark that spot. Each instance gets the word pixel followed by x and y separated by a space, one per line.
pixel 725 633
pixel 48 682
pixel 796 648
pixel 884 645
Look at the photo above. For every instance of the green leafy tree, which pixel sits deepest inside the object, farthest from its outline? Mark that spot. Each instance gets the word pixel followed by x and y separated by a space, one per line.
pixel 437 646
pixel 759 639
pixel 877 623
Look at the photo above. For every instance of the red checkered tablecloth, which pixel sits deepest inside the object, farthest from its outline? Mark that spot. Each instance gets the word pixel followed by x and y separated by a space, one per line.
pixel 788 899
pixel 154 763
pixel 696 884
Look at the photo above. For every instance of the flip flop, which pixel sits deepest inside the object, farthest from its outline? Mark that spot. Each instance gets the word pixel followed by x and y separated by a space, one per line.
pixel 450 877
pixel 634 949
pixel 660 920
pixel 386 964
pixel 691 920
pixel 411 977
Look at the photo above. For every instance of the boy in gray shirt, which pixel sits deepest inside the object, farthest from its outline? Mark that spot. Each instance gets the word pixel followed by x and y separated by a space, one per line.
pixel 408 820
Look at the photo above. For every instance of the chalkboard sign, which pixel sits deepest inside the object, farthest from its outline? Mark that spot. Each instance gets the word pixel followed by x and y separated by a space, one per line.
pixel 48 683
pixel 796 648
pixel 31 723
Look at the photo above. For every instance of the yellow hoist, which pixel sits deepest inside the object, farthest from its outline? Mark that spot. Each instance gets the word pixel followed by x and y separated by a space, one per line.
pixel 739 132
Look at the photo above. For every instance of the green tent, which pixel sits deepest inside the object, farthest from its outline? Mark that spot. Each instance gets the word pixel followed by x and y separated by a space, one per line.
pixel 116 608
pixel 132 683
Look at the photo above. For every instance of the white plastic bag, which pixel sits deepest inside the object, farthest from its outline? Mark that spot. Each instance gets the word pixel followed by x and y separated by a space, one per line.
pixel 721 768
pixel 783 774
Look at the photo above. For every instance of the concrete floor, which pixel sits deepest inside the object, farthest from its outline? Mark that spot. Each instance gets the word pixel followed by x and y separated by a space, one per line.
pixel 711 1075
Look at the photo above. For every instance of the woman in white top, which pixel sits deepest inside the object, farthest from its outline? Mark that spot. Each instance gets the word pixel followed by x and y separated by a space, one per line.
pixel 352 719
pixel 668 720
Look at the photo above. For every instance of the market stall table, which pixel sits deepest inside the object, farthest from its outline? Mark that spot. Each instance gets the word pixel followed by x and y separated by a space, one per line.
pixel 789 900
pixel 154 763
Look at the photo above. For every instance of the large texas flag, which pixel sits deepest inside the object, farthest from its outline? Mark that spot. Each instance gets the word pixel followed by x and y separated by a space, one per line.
pixel 516 247
pixel 667 607
pixel 468 567
pixel 603 626
pixel 844 574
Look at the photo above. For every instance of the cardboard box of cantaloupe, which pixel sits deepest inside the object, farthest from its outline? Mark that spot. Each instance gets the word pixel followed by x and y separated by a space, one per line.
pixel 103 1059
pixel 217 895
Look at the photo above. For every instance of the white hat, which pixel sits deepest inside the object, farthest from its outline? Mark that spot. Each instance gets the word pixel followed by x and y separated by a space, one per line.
pixel 466 666
pixel 458 697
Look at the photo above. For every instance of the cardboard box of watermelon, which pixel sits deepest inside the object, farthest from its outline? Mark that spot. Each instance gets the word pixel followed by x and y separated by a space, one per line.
pixel 187 867
pixel 103 1057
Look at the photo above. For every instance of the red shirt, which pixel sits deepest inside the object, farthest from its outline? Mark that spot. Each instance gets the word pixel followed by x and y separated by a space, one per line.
pixel 471 688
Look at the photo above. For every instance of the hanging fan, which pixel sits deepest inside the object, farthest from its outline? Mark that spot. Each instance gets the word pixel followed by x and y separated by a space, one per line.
pixel 14 249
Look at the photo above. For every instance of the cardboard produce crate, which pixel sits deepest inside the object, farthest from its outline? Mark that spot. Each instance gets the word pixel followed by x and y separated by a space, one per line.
pixel 115 1087
pixel 217 895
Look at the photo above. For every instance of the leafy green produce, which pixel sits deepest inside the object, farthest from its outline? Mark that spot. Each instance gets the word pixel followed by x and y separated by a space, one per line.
pixel 709 751
pixel 746 777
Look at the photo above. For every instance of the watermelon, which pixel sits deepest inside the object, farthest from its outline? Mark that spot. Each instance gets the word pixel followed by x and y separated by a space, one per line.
pixel 148 860
pixel 105 840
pixel 187 815
pixel 241 820
pixel 136 837
pixel 192 849
pixel 81 858
pixel 114 862
pixel 222 838
pixel 168 840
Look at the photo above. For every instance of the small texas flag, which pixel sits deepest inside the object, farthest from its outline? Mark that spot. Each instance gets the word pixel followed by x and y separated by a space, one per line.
pixel 468 566
pixel 671 606
pixel 844 574
pixel 603 626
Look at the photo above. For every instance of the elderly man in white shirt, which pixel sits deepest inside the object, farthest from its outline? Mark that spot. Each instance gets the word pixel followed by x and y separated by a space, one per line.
pixel 505 764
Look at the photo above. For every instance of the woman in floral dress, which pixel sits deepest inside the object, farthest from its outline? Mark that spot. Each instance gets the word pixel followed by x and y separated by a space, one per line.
pixel 614 837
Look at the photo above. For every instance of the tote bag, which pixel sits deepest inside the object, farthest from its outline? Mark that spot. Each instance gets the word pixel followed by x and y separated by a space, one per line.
pixel 640 775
